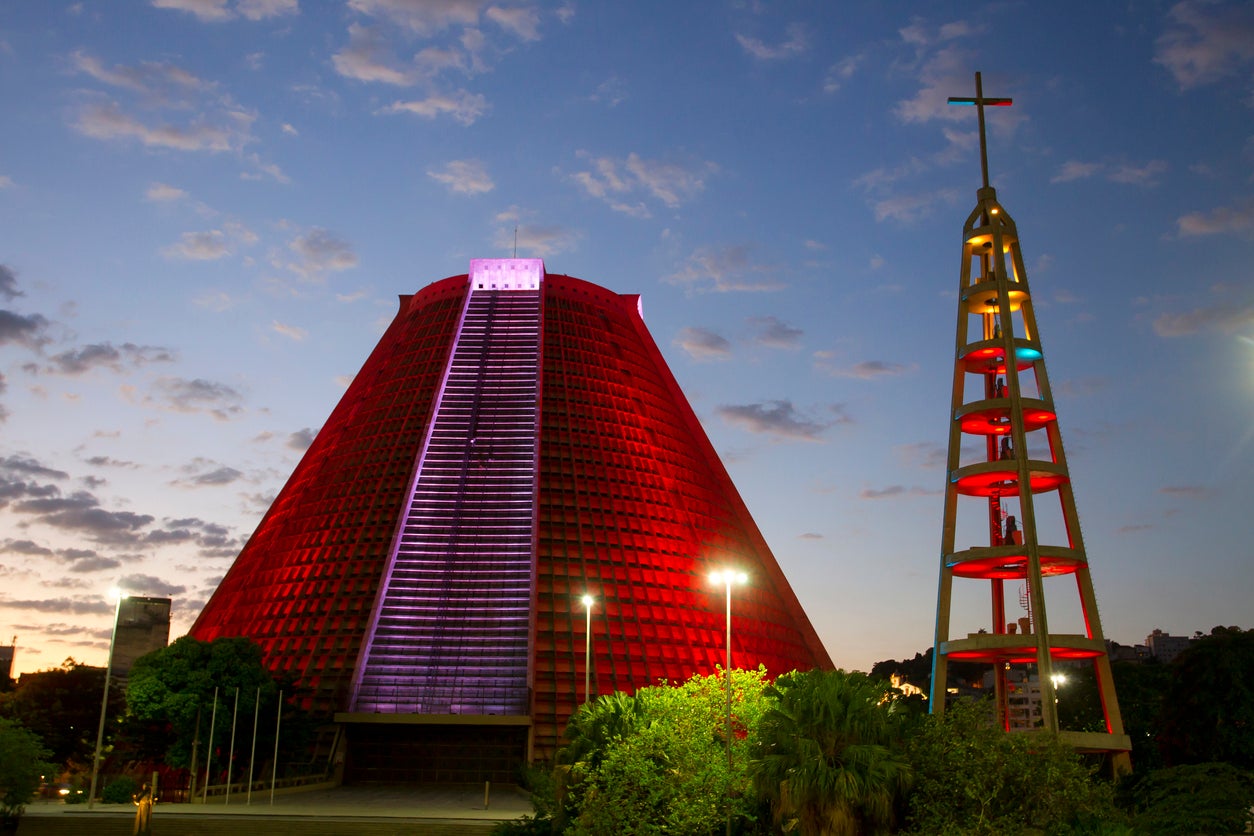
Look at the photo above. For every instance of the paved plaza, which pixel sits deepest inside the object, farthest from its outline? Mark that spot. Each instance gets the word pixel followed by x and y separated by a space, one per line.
pixel 444 804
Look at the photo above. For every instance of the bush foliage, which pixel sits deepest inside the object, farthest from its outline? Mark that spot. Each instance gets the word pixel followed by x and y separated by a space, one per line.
pixel 1194 798
pixel 972 778
pixel 23 765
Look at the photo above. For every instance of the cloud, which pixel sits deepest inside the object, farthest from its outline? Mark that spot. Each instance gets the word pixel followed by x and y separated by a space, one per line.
pixel 1142 175
pixel 775 333
pixel 539 240
pixel 423 17
pixel 12 488
pixel 841 72
pixel 918 34
pixel 8 283
pixel 521 21
pixel 289 331
pixel 943 75
pixel 612 91
pixel 28 331
pixel 212 540
pixel 702 344
pixel 301 439
pixel 1075 170
pixel 1238 219
pixel 68 606
pixel 1206 42
pixel 367 57
pixel 927 455
pixel 864 370
pixel 212 11
pixel 107 461
pixel 320 252
pixel 92 562
pixel 107 121
pixel 725 270
pixel 217 11
pixel 80 512
pixel 199 246
pixel 1196 491
pixel 465 107
pixel 910 208
pixel 778 419
pixel 161 95
pixel 893 491
pixel 149 585
pixel 614 180
pixel 26 466
pixel 26 547
pixel 106 355
pixel 215 301
pixel 213 478
pixel 264 169
pixel 796 44
pixel 262 9
pixel 463 177
pixel 196 396
pixel 152 79
pixel 162 193
pixel 1226 319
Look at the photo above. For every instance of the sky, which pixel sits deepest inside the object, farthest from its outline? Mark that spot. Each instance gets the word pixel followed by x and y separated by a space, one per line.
pixel 209 207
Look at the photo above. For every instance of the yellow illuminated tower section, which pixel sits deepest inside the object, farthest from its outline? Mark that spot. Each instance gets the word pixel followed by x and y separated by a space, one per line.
pixel 1010 519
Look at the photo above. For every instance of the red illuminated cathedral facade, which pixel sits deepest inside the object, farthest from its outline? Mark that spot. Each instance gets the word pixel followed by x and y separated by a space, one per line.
pixel 514 442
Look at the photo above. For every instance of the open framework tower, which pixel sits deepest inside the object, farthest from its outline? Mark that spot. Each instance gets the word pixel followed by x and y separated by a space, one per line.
pixel 1002 397
pixel 513 442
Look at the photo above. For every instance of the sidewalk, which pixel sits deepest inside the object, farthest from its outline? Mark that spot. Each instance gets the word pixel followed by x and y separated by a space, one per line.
pixel 505 802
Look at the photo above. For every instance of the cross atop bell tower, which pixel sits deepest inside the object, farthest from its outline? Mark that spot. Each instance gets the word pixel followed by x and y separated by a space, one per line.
pixel 980 103
pixel 1000 525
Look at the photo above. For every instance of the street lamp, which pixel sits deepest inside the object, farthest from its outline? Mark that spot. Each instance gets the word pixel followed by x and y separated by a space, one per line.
pixel 588 601
pixel 117 595
pixel 728 577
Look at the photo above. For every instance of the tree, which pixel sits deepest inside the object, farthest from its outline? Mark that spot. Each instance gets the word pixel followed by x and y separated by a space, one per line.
pixel 592 730
pixel 1140 687
pixel 827 753
pixel 1189 799
pixel 657 763
pixel 23 764
pixel 1208 710
pixel 171 692
pixel 974 779
pixel 62 707
pixel 918 671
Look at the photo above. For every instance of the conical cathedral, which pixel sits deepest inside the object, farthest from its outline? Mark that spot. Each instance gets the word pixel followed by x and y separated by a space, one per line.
pixel 1010 518
pixel 514 443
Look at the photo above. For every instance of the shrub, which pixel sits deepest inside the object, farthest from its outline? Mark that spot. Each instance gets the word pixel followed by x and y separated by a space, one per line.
pixel 23 763
pixel 1195 798
pixel 119 790
pixel 525 826
pixel 972 778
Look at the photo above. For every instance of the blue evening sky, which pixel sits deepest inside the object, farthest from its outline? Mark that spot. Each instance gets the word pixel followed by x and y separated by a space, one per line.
pixel 209 207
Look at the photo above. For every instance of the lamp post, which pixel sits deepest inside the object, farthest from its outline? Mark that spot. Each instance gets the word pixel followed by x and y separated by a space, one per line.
pixel 727 577
pixel 588 601
pixel 104 701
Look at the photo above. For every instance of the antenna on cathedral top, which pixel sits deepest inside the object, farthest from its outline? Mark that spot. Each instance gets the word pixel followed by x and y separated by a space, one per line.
pixel 980 102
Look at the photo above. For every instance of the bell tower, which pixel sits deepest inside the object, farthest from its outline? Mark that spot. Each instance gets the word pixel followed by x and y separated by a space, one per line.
pixel 1008 495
